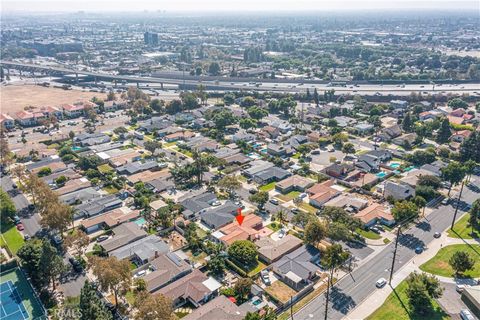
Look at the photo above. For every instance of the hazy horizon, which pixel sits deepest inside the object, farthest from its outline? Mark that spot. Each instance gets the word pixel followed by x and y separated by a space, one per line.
pixel 45 6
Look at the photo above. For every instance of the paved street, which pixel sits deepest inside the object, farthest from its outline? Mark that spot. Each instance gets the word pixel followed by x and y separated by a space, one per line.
pixel 353 289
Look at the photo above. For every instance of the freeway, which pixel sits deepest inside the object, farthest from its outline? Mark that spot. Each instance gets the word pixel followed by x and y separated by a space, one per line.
pixel 351 290
pixel 278 85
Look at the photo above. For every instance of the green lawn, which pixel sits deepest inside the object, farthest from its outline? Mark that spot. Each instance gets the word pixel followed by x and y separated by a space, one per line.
pixel 289 196
pixel 396 308
pixel 462 229
pixel 307 207
pixel 296 155
pixel 110 190
pixel 439 264
pixel 267 187
pixel 274 226
pixel 368 234
pixel 104 168
pixel 11 237
pixel 169 144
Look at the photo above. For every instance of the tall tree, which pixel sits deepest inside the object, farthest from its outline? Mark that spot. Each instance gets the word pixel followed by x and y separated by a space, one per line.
pixel 407 123
pixel 315 231
pixel 242 288
pixel 421 288
pixel 260 198
pixel 7 207
pixel 461 261
pixel 230 183
pixel 333 258
pixel 90 305
pixel 51 264
pixel 454 173
pixel 112 274
pixel 244 251
pixel 444 132
pixel 404 210
pixel 153 307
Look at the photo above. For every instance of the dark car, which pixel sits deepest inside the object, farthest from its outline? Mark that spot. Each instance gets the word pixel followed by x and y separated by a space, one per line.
pixel 77 266
pixel 418 250
pixel 437 235
pixel 253 191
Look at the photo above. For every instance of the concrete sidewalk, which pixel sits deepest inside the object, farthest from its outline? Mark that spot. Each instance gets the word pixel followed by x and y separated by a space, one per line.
pixel 375 300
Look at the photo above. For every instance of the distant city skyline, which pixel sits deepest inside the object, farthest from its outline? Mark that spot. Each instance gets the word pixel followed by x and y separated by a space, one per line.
pixel 235 5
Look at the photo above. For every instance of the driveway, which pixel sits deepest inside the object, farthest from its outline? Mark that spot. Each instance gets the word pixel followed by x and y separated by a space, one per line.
pixel 451 300
pixel 72 282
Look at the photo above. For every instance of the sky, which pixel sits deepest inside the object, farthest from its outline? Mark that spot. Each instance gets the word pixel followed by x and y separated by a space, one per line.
pixel 233 5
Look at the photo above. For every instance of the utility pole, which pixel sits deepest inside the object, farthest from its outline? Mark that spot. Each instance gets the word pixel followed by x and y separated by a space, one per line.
pixel 330 277
pixel 456 207
pixel 394 254
pixel 291 307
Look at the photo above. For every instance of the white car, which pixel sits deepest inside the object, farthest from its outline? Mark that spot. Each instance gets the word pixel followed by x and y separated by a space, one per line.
pixel 381 283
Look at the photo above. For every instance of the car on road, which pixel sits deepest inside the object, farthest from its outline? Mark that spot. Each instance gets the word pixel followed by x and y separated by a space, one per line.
pixel 437 235
pixel 265 277
pixel 274 201
pixel 20 227
pixel 445 201
pixel 418 250
pixel 465 314
pixel 381 283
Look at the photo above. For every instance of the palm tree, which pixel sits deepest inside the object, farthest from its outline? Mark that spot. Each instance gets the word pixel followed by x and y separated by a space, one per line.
pixel 281 216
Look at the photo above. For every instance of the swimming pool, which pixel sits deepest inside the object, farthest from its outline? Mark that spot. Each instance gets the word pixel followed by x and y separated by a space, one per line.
pixel 409 168
pixel 76 148
pixel 140 221
pixel 381 174
pixel 394 165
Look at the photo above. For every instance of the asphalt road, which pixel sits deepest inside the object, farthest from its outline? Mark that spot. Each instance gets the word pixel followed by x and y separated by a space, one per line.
pixel 353 289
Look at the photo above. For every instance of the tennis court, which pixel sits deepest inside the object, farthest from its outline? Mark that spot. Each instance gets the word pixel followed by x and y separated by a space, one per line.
pixel 17 298
pixel 12 307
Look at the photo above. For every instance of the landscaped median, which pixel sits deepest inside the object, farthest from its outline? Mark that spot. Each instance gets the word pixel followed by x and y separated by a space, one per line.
pixel 439 265
pixel 396 307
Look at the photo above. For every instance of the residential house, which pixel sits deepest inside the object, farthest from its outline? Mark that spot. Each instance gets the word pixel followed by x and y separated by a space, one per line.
pixel 181 135
pixel 28 119
pixel 350 203
pixel 78 109
pixel 398 191
pixel 6 121
pixel 164 269
pixel 270 250
pixel 271 174
pixel 250 229
pixel 294 183
pixel 80 196
pixel 217 217
pixel 123 234
pixel 337 170
pixel 399 104
pixel 364 128
pixel 90 139
pixel 219 308
pixel 375 213
pixel 97 206
pixel 321 193
pixel 138 166
pixel 109 219
pixel 299 267
pixel 270 132
pixel 195 203
pixel 460 136
pixel 73 185
pixel 405 138
pixel 196 288
pixel 142 250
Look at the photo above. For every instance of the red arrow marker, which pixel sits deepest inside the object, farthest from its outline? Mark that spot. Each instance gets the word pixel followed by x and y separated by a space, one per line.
pixel 239 216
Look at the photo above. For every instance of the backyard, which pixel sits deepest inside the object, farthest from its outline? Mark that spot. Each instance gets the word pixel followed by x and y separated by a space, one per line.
pixel 396 308
pixel 280 291
pixel 289 196
pixel 439 264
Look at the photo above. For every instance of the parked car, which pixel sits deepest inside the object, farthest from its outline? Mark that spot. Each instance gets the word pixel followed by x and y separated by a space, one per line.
pixel 102 238
pixel 265 277
pixel 418 250
pixel 375 229
pixel 20 227
pixel 77 266
pixel 465 314
pixel 16 219
pixel 253 191
pixel 461 287
pixel 281 233
pixel 381 283
pixel 437 235
pixel 445 201
pixel 274 201
pixel 302 195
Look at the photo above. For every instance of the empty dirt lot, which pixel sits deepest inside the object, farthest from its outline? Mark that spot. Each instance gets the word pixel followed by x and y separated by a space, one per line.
pixel 15 98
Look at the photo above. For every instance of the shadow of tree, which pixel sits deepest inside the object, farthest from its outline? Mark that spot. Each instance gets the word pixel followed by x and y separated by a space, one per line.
pixel 341 301
pixel 410 241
